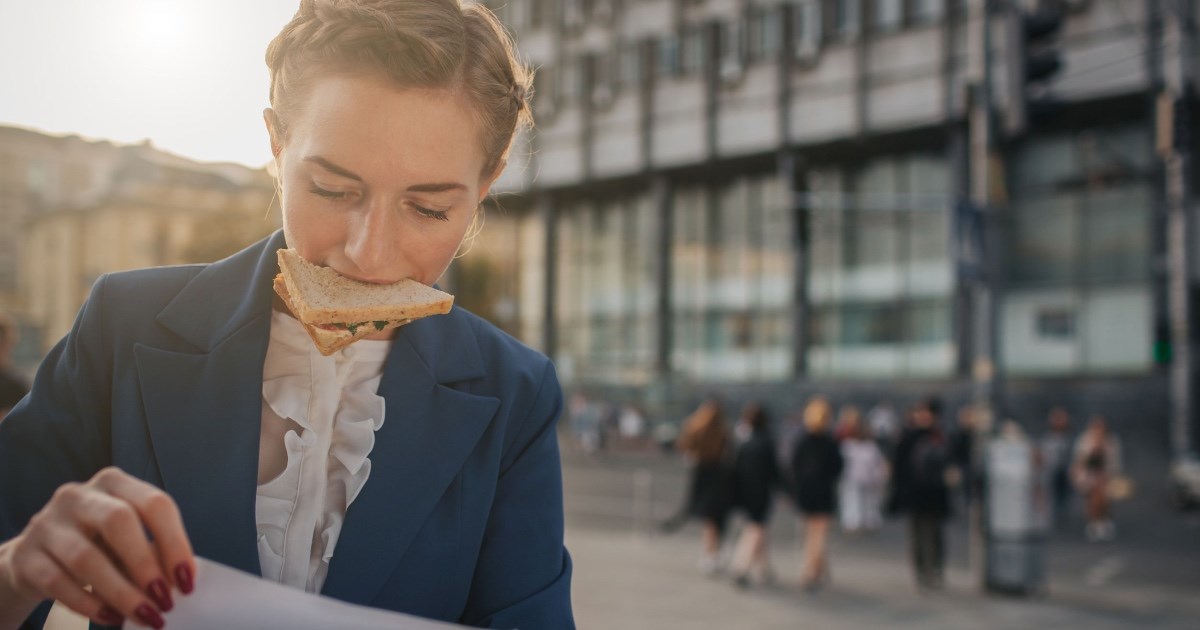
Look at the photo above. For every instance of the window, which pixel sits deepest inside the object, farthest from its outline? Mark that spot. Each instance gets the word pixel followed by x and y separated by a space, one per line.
pixel 574 14
pixel 666 62
pixel 570 81
pixel 539 12
pixel 545 92
pixel 630 65
pixel 888 14
pixel 1078 287
pixel 766 33
pixel 1056 324
pixel 607 291
pixel 732 271
pixel 879 271
pixel 927 11
pixel 691 61
pixel 806 30
pixel 602 66
pixel 846 18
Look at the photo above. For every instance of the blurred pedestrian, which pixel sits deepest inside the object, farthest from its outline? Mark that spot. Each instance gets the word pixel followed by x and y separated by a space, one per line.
pixel 962 455
pixel 1055 451
pixel 705 441
pixel 755 478
pixel 863 480
pixel 919 490
pixel 816 468
pixel 12 387
pixel 584 420
pixel 884 424
pixel 849 417
pixel 1095 464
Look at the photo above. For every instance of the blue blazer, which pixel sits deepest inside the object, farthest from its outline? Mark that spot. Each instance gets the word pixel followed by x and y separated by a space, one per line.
pixel 161 376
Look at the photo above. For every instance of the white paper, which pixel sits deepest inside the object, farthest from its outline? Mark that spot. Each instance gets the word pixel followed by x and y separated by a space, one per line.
pixel 228 598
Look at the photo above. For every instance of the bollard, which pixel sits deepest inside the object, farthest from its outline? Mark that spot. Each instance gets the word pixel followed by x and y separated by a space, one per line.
pixel 643 501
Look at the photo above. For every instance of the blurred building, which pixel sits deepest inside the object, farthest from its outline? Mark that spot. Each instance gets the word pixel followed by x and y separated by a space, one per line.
pixel 775 198
pixel 73 209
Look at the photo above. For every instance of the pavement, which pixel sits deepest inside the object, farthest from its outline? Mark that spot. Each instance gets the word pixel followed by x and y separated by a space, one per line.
pixel 638 582
pixel 629 576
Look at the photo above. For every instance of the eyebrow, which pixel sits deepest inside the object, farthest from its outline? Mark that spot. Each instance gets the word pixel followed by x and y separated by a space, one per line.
pixel 338 170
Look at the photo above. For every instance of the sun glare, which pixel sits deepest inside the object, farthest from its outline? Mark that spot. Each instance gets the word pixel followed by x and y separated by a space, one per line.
pixel 159 24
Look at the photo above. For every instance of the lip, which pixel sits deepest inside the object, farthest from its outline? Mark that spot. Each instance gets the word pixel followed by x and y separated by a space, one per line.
pixel 364 280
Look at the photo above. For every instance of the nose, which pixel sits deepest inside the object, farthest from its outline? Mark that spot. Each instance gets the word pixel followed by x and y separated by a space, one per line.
pixel 373 244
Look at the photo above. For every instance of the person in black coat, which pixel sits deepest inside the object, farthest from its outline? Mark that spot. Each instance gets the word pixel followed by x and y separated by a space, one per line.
pixel 755 477
pixel 919 489
pixel 816 468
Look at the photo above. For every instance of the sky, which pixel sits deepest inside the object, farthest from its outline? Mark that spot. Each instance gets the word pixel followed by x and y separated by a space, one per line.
pixel 187 74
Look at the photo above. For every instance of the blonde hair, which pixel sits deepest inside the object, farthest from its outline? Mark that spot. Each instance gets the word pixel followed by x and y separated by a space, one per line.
pixel 431 44
pixel 816 415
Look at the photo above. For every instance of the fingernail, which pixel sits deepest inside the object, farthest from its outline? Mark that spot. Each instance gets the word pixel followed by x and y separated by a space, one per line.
pixel 183 578
pixel 110 617
pixel 147 616
pixel 161 594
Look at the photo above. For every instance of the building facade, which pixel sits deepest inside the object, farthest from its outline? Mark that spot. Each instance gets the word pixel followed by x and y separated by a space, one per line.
pixel 773 199
pixel 73 209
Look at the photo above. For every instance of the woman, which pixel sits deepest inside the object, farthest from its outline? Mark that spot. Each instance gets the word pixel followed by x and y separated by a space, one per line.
pixel 416 471
pixel 861 490
pixel 705 441
pixel 1096 461
pixel 816 467
pixel 755 477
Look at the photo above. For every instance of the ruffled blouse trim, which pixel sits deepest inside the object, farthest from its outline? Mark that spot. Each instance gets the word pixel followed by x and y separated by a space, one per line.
pixel 288 385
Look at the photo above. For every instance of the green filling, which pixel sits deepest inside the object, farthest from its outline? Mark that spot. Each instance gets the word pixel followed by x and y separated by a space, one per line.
pixel 353 328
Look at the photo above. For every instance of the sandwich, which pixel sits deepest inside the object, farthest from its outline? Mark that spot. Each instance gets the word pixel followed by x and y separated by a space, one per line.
pixel 336 311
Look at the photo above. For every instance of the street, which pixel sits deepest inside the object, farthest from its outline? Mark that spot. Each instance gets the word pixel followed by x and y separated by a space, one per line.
pixel 629 576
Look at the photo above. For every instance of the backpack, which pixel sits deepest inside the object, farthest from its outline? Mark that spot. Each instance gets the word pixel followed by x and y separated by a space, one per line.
pixel 930 457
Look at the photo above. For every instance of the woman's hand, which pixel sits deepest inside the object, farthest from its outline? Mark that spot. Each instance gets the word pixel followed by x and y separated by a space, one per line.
pixel 119 535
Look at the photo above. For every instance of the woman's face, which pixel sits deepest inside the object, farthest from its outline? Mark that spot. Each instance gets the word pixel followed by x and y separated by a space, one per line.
pixel 378 183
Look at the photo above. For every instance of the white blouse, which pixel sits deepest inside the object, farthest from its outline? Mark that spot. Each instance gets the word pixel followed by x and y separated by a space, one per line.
pixel 319 417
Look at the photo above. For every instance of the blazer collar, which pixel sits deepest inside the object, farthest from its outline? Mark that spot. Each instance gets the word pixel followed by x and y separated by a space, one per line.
pixel 225 295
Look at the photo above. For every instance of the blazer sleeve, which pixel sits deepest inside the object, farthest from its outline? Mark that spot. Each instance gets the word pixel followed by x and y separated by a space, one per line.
pixel 523 575
pixel 60 431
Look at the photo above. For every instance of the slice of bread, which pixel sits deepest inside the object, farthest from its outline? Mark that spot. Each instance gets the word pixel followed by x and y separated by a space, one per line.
pixel 329 341
pixel 320 295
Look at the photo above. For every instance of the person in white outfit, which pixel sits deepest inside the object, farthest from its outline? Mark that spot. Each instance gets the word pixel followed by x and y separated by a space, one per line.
pixel 863 478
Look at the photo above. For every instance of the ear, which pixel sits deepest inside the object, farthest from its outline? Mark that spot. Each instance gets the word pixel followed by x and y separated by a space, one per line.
pixel 274 130
pixel 486 185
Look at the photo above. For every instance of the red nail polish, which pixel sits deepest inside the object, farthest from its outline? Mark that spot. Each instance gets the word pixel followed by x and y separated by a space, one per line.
pixel 110 617
pixel 147 616
pixel 161 594
pixel 183 578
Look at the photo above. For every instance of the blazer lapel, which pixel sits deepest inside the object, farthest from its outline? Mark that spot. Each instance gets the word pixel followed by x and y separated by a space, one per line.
pixel 203 408
pixel 428 432
pixel 204 412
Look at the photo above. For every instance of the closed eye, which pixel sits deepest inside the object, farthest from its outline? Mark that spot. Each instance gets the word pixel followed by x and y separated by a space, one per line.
pixel 328 194
pixel 439 215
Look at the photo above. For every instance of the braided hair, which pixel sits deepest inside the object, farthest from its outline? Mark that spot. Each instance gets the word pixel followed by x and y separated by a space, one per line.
pixel 432 44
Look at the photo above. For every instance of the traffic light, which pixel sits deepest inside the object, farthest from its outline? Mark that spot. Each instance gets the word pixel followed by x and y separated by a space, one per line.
pixel 1034 64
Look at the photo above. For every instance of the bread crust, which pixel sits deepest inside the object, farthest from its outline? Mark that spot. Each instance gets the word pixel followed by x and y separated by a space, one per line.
pixel 356 301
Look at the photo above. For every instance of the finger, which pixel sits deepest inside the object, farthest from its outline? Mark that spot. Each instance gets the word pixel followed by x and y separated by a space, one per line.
pixel 161 516
pixel 85 563
pixel 119 528
pixel 46 579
